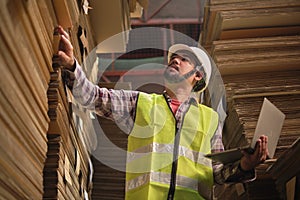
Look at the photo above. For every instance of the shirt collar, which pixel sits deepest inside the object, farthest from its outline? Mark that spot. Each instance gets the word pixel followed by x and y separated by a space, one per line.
pixel 191 100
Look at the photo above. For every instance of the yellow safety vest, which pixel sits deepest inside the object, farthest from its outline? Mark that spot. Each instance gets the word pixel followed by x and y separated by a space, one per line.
pixel 164 159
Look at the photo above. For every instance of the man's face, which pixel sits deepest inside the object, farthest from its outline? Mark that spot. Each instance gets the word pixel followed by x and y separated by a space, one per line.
pixel 179 64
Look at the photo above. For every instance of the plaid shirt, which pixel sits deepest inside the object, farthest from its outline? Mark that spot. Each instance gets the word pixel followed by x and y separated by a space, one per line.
pixel 120 106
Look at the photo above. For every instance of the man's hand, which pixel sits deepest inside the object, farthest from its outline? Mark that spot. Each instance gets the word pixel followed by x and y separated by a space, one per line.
pixel 64 56
pixel 250 161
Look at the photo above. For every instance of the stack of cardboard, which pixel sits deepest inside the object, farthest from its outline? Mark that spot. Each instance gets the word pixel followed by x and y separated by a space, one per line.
pixel 109 163
pixel 255 45
pixel 67 167
pixel 253 69
pixel 109 158
pixel 23 103
pixel 232 19
pixel 26 62
pixel 254 55
pixel 246 100
pixel 287 173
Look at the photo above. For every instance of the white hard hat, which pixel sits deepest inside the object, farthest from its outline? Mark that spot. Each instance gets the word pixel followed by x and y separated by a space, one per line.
pixel 199 53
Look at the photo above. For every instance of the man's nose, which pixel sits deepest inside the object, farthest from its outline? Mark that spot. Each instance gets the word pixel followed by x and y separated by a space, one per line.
pixel 175 61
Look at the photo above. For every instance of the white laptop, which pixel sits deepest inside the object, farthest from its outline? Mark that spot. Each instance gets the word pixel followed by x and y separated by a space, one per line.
pixel 270 122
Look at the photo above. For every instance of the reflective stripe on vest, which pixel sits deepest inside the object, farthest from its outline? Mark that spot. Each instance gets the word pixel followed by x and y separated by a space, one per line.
pixel 151 146
pixel 161 178
pixel 195 156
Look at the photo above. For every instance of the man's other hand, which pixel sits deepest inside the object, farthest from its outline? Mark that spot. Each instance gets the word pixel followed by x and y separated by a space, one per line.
pixel 250 161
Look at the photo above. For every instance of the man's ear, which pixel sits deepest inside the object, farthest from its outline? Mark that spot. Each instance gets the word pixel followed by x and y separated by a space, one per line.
pixel 199 75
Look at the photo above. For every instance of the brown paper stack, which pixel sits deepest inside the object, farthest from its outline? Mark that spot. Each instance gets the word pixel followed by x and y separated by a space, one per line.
pixel 284 171
pixel 44 149
pixel 245 100
pixel 256 47
pixel 109 160
pixel 67 167
pixel 232 19
pixel 23 102
pixel 255 68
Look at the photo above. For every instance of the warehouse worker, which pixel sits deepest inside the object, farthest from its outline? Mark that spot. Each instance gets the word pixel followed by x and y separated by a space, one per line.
pixel 170 132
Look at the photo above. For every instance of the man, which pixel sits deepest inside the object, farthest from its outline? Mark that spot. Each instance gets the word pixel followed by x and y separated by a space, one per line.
pixel 168 133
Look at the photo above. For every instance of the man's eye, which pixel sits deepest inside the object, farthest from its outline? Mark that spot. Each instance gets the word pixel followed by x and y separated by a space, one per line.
pixel 185 59
pixel 173 57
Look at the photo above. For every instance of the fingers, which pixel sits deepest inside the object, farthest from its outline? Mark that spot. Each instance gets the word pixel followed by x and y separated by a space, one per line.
pixel 64 56
pixel 264 145
pixel 61 31
pixel 258 148
pixel 261 152
pixel 66 44
pixel 250 161
pixel 65 60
